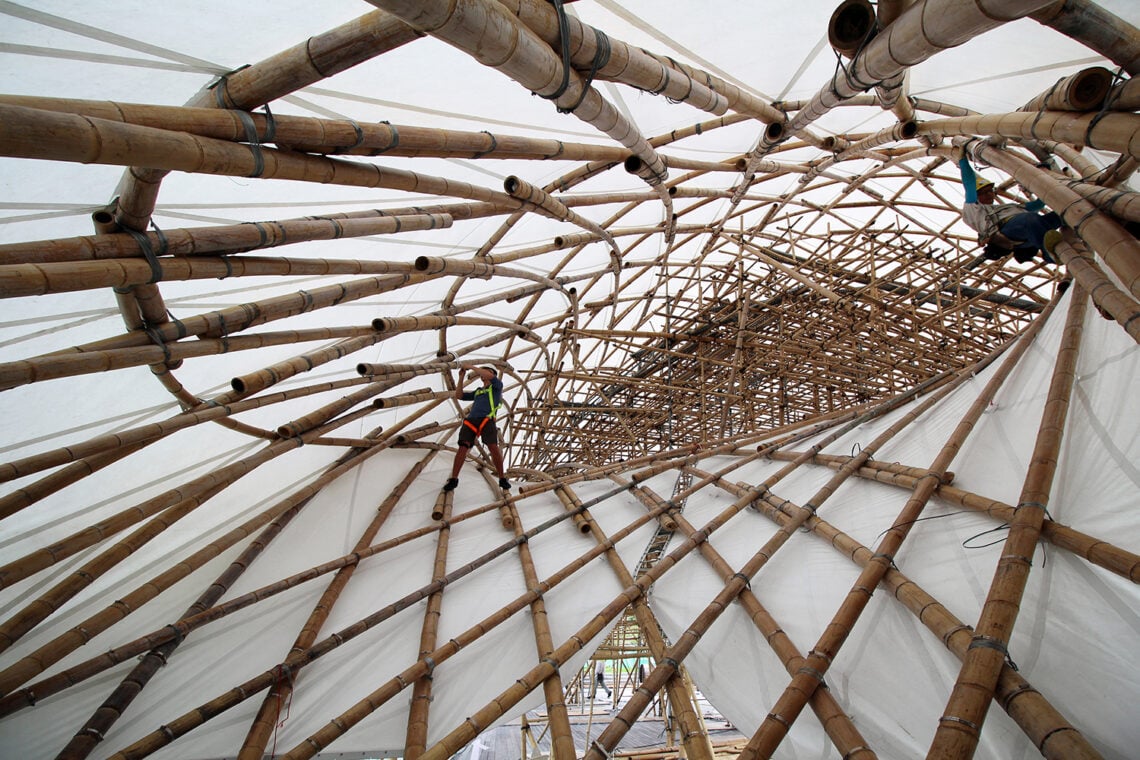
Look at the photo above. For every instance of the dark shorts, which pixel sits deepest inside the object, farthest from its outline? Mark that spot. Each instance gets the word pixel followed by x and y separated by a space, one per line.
pixel 488 432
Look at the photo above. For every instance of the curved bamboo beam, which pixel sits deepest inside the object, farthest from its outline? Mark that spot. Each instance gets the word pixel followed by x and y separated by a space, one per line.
pixel 494 37
pixel 1095 28
pixel 960 725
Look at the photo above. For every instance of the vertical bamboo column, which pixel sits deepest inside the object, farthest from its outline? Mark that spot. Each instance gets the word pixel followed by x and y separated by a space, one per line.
pixel 960 725
pixel 806 679
pixel 561 738
pixel 261 730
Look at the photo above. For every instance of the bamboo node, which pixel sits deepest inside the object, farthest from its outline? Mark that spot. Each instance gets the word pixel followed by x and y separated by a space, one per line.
pixel 812 672
pixel 779 719
pixel 1037 504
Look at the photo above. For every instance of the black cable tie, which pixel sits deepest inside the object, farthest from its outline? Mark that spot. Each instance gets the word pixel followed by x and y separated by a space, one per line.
pixel 253 142
pixel 494 146
pixel 163 243
pixel 395 139
pixel 359 138
pixel 1031 504
pixel 989 643
pixel 564 37
pixel 148 253
pixel 229 267
pixel 956 719
pixel 270 126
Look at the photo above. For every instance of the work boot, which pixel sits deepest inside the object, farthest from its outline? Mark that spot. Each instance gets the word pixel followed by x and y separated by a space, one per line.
pixel 451 484
pixel 504 484
pixel 1052 237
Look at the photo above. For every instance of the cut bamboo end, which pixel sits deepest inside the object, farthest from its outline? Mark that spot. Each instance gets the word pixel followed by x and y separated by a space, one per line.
pixel 852 25
pixel 442 505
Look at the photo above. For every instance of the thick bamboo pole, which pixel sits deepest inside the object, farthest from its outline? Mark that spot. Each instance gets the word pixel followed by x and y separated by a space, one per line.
pixel 28 133
pixel 230 238
pixel 1103 291
pixel 533 196
pixel 1119 250
pixel 836 723
pixel 1116 132
pixel 960 725
pixel 494 37
pixel 336 136
pixel 806 679
pixel 1083 91
pixel 1096 28
pixel 420 705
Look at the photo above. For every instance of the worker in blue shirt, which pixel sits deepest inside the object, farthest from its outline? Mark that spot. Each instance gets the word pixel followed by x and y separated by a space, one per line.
pixel 480 421
pixel 1005 228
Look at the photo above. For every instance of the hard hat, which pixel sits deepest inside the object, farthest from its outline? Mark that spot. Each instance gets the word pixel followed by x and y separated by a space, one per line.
pixel 983 182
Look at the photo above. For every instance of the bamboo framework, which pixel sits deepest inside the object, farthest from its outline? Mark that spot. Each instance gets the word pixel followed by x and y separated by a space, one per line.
pixel 739 336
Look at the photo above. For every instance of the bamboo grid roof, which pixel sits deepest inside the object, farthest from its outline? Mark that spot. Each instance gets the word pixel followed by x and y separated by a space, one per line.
pixel 712 258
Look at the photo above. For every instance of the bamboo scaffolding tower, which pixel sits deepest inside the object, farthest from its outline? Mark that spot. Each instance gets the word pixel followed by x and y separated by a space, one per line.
pixel 771 414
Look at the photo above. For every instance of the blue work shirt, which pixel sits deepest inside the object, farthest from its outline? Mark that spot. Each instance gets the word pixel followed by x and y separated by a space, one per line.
pixel 483 406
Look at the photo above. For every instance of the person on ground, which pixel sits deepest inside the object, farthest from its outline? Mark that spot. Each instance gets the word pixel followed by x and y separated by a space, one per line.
pixel 1005 228
pixel 480 421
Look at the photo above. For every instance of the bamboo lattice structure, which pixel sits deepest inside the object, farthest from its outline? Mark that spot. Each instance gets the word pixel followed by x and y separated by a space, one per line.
pixel 738 336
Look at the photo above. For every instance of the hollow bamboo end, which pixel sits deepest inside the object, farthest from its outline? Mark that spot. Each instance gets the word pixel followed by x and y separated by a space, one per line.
pixel 1089 88
pixel 511 184
pixel 362 369
pixel 774 131
pixel 238 384
pixel 851 25
pixel 633 164
pixel 422 263
pixel 908 129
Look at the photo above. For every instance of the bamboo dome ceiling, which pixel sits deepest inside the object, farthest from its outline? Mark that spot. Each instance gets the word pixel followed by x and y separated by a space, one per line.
pixel 716 253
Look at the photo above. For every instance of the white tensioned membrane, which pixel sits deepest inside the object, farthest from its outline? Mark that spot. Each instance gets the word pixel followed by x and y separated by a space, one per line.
pixel 1075 618
pixel 1076 638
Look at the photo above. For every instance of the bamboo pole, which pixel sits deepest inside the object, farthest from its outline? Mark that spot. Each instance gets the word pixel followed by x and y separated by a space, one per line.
pixel 494 37
pixel 806 679
pixel 1096 28
pixel 961 723
pixel 1105 294
pixel 230 238
pixel 531 195
pixel 558 719
pixel 1116 132
pixel 1083 91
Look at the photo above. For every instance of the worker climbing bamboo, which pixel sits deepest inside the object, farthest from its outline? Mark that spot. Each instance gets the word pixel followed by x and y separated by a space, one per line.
pixel 1005 228
pixel 480 421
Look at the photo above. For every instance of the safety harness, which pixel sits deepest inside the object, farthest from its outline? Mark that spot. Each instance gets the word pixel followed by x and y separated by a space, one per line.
pixel 478 429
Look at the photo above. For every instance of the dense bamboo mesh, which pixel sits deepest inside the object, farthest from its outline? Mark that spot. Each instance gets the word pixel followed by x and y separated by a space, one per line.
pixel 694 303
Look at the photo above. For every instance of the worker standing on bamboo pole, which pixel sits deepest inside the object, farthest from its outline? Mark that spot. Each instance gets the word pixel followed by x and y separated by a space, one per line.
pixel 1005 228
pixel 480 421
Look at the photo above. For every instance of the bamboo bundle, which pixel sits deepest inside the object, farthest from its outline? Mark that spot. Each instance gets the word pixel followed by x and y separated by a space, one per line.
pixel 919 32
pixel 488 32
pixel 29 133
pixel 412 397
pixel 232 238
pixel 1084 91
pixel 1096 28
pixel 1092 279
pixel 1121 203
pixel 1125 96
pixel 961 723
pixel 336 136
pixel 1116 132
pixel 250 87
pixel 893 93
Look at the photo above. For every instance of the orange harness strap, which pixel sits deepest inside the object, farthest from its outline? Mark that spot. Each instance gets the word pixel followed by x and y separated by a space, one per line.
pixel 478 430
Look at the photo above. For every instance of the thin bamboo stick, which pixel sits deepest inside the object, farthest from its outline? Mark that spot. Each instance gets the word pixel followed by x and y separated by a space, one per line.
pixel 961 723
pixel 528 193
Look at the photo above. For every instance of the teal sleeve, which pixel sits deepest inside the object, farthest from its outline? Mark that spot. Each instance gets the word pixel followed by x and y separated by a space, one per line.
pixel 1035 205
pixel 969 180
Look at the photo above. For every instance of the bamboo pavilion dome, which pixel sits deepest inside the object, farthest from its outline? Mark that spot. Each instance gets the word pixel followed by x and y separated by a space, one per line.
pixel 775 425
